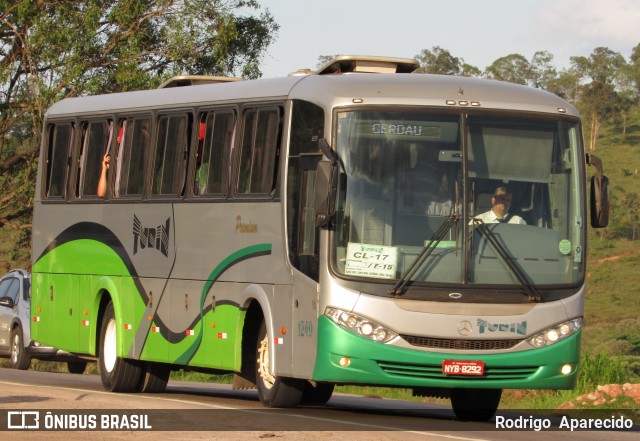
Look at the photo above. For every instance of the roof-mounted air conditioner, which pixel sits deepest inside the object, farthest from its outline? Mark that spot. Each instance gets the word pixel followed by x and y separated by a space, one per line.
pixel 367 64
pixel 194 80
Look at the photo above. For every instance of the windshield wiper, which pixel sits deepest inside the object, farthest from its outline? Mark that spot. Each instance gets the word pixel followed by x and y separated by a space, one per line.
pixel 529 290
pixel 398 288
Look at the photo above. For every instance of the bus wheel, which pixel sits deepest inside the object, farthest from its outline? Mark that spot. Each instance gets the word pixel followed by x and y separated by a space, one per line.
pixel 117 374
pixel 77 367
pixel 19 358
pixel 475 404
pixel 154 378
pixel 319 394
pixel 274 391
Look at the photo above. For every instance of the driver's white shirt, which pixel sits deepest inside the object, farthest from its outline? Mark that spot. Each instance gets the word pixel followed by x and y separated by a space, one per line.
pixel 489 217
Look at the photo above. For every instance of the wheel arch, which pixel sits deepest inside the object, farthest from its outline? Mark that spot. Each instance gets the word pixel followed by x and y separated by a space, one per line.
pixel 255 305
pixel 102 299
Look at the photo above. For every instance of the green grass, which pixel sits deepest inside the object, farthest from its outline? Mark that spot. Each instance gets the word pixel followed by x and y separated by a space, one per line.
pixel 595 370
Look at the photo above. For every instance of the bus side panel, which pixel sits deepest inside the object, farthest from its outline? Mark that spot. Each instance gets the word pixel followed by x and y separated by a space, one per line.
pixel 51 301
pixel 305 326
pixel 64 286
pixel 152 328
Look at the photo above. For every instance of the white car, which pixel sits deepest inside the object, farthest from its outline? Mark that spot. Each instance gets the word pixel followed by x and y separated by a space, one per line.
pixel 15 326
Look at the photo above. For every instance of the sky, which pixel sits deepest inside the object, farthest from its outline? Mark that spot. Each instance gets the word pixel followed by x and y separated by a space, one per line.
pixel 478 31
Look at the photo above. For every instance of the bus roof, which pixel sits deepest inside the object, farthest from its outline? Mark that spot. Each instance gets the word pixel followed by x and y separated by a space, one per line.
pixel 331 91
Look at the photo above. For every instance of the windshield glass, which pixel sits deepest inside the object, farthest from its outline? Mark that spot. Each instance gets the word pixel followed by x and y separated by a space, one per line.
pixel 496 205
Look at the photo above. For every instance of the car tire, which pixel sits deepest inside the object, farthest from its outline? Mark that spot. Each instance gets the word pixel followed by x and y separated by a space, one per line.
pixel 19 358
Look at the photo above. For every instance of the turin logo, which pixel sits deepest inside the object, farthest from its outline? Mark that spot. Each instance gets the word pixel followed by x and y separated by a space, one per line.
pixel 153 237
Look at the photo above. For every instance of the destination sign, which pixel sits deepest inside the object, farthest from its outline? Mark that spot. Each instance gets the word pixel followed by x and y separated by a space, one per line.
pixel 402 129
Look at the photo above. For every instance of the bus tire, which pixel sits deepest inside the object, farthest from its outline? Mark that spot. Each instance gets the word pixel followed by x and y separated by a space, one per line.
pixel 154 378
pixel 19 358
pixel 274 391
pixel 76 367
pixel 319 394
pixel 475 404
pixel 117 374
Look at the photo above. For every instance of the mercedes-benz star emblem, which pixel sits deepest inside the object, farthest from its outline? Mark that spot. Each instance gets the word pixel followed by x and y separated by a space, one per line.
pixel 465 327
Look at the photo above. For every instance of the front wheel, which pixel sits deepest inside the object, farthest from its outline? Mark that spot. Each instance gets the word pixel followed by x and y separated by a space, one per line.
pixel 274 391
pixel 318 394
pixel 117 374
pixel 19 358
pixel 475 404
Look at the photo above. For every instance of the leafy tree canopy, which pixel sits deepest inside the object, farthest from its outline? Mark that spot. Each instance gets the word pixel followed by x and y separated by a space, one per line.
pixel 51 49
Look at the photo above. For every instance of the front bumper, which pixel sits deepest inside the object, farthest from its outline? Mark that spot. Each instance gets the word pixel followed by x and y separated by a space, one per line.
pixel 379 364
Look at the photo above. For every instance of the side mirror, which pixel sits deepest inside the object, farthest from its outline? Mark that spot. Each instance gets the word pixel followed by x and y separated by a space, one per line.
pixel 599 201
pixel 325 193
pixel 7 302
pixel 599 194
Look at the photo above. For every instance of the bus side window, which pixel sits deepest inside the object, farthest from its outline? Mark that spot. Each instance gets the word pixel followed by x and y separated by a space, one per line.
pixel 258 156
pixel 132 157
pixel 214 147
pixel 60 138
pixel 171 154
pixel 95 144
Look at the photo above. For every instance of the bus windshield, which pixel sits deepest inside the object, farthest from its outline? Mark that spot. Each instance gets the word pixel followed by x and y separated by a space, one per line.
pixel 501 191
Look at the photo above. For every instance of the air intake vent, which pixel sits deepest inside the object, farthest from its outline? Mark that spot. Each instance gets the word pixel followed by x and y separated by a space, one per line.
pixel 468 345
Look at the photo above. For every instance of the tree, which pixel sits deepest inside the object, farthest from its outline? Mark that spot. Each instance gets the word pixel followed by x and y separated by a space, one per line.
pixel 634 69
pixel 566 84
pixel 513 68
pixel 50 50
pixel 440 61
pixel 599 98
pixel 627 94
pixel 469 70
pixel 627 220
pixel 543 73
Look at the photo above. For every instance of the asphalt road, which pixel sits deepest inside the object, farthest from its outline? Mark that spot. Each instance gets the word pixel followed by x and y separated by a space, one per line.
pixel 214 411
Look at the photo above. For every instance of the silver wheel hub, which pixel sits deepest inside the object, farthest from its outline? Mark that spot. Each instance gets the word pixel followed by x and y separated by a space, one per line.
pixel 263 364
pixel 109 346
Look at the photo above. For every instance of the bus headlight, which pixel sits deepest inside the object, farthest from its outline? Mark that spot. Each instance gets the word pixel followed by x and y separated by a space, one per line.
pixel 555 334
pixel 360 325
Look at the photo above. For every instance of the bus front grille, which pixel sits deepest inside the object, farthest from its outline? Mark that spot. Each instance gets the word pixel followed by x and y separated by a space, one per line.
pixel 424 371
pixel 469 345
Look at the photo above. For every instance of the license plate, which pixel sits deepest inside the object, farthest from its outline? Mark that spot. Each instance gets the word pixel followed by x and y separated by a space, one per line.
pixel 462 367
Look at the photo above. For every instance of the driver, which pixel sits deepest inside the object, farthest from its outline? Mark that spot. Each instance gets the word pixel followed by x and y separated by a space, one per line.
pixel 499 213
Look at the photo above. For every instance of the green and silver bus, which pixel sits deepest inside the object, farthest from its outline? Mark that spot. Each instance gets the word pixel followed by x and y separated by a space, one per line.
pixel 320 229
